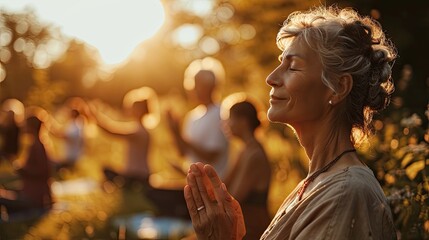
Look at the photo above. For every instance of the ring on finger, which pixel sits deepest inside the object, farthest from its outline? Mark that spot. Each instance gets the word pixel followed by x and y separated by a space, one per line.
pixel 200 208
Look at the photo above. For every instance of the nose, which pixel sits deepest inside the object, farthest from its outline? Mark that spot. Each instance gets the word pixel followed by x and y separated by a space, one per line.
pixel 273 78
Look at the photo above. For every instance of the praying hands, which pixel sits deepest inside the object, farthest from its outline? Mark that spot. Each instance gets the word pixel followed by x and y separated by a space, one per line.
pixel 214 212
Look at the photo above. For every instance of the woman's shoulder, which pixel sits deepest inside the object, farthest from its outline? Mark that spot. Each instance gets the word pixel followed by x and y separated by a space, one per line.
pixel 355 181
pixel 359 199
pixel 361 177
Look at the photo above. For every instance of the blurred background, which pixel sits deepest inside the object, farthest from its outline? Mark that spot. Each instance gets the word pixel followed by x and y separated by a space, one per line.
pixel 52 50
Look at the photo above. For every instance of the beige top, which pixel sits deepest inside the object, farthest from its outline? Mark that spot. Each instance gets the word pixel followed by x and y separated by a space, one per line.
pixel 349 204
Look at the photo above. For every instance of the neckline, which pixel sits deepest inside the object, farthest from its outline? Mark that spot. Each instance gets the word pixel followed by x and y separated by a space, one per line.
pixel 325 168
pixel 340 171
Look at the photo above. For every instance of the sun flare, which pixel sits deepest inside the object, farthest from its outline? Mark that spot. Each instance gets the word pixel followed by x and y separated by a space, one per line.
pixel 114 27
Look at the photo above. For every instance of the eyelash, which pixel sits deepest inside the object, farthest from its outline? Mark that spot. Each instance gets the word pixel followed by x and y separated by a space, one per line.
pixel 280 58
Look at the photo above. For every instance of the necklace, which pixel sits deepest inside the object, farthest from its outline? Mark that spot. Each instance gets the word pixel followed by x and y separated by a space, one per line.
pixel 318 172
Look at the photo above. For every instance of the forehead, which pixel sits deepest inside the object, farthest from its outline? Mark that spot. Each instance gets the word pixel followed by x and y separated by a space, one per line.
pixel 297 47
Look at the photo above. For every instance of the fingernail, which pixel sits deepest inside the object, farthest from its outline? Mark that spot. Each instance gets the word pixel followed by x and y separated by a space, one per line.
pixel 189 178
pixel 193 168
pixel 208 172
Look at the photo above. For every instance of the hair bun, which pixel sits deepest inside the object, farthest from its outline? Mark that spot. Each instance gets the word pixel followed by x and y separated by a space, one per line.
pixel 379 56
pixel 380 85
pixel 378 98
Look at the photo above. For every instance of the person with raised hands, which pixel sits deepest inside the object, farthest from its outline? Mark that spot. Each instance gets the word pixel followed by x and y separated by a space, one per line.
pixel 141 105
pixel 334 74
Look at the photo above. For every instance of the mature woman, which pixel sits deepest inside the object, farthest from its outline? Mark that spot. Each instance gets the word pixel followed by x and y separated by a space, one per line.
pixel 334 74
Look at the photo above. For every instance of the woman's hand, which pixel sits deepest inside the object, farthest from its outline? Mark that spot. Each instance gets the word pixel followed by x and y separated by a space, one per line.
pixel 214 212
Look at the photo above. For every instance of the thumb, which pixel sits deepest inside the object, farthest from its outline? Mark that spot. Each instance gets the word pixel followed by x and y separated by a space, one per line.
pixel 227 195
pixel 233 209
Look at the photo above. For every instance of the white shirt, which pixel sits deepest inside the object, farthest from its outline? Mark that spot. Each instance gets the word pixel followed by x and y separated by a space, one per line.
pixel 74 139
pixel 203 128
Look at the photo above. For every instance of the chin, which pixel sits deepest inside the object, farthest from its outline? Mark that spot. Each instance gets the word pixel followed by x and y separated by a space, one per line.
pixel 274 116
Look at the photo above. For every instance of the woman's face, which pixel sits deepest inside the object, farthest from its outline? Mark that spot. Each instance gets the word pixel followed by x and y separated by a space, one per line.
pixel 298 94
pixel 234 125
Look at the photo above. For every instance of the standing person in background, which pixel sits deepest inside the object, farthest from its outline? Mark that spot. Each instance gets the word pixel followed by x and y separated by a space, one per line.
pixel 202 138
pixel 72 132
pixel 333 76
pixel 34 171
pixel 10 129
pixel 250 177
pixel 140 104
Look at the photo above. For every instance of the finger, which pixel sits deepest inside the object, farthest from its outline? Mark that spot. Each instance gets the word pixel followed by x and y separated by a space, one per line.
pixel 233 209
pixel 219 193
pixel 203 180
pixel 205 190
pixel 190 203
pixel 231 205
pixel 199 203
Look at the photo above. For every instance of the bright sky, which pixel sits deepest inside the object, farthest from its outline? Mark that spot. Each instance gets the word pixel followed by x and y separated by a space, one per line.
pixel 114 27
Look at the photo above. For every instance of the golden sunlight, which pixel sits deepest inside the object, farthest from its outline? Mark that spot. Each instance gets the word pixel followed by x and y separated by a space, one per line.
pixel 114 27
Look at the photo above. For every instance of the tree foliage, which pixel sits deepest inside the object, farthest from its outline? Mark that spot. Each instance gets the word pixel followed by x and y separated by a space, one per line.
pixel 40 66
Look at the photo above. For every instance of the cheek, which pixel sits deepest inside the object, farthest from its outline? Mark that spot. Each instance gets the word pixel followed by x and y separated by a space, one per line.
pixel 305 93
pixel 297 88
pixel 231 125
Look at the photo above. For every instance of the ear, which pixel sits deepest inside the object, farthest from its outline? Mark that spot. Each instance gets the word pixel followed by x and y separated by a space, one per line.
pixel 345 85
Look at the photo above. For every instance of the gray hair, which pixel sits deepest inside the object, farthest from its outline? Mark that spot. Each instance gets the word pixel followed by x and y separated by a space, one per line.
pixel 347 43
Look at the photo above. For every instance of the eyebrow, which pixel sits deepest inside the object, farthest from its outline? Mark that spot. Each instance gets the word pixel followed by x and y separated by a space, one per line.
pixel 289 56
pixel 293 55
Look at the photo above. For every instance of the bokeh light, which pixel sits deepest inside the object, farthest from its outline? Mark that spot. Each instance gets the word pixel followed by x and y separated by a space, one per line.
pixel 207 63
pixel 187 35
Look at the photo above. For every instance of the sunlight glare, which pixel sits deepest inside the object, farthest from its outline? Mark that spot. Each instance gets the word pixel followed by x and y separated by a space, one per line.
pixel 187 35
pixel 114 27
pixel 200 7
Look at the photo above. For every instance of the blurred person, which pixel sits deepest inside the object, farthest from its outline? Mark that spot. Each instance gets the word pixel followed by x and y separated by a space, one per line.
pixel 35 171
pixel 10 129
pixel 72 132
pixel 141 104
pixel 249 179
pixel 334 75
pixel 202 138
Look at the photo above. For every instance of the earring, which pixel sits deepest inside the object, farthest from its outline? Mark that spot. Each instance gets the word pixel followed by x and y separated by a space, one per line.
pixel 330 102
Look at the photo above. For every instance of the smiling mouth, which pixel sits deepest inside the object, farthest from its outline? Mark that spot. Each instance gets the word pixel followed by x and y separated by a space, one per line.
pixel 275 98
